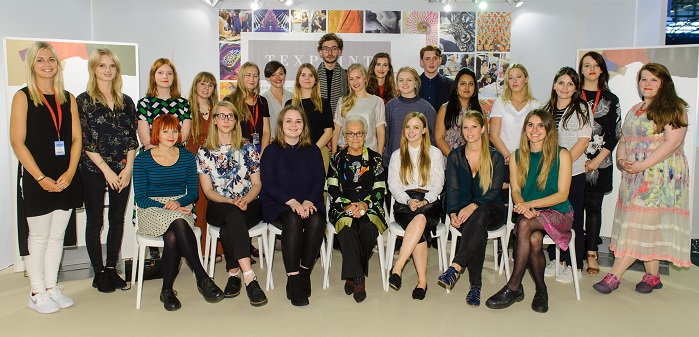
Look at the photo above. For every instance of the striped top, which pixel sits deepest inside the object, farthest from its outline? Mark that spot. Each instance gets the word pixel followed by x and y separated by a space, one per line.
pixel 151 179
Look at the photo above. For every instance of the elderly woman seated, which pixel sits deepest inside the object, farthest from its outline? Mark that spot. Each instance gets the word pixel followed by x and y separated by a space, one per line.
pixel 356 185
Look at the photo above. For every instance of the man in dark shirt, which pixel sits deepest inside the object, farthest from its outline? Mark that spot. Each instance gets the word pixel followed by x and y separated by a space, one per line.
pixel 434 87
pixel 331 76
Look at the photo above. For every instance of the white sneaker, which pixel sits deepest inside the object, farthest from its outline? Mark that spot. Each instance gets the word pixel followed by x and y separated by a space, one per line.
pixel 61 299
pixel 42 303
pixel 567 275
pixel 551 268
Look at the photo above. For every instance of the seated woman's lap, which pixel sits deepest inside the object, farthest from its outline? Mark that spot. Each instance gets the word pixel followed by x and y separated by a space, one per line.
pixel 220 214
pixel 432 212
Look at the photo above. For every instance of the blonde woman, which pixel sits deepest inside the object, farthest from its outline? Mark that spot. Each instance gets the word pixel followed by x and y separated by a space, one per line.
pixel 415 178
pixel 46 138
pixel 359 102
pixel 252 108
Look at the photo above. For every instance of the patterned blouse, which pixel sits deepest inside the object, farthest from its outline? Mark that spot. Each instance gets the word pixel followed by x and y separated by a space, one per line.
pixel 151 107
pixel 229 169
pixel 111 133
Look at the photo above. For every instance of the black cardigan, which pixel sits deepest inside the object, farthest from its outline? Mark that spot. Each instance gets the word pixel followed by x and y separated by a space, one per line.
pixel 463 189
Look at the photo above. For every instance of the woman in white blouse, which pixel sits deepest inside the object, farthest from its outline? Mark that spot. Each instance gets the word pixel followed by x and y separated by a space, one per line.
pixel 276 96
pixel 415 178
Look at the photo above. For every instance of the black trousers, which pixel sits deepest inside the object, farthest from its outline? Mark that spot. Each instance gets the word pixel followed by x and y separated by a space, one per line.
pixel 94 185
pixel 357 242
pixel 234 224
pixel 301 239
pixel 593 219
pixel 474 238
pixel 576 196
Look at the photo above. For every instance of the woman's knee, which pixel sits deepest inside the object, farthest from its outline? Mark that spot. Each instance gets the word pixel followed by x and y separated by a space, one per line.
pixel 536 240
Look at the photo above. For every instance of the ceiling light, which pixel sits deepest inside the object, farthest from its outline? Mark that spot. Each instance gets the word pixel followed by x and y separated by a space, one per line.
pixel 483 5
pixel 447 5
pixel 211 3
pixel 255 4
pixel 518 3
pixel 287 2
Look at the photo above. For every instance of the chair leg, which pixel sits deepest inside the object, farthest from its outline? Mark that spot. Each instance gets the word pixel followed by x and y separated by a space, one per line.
pixel 211 253
pixel 270 260
pixel 391 247
pixel 382 261
pixel 330 237
pixel 141 266
pixel 574 263
pixel 207 249
pixel 262 250
pixel 134 264
pixel 505 258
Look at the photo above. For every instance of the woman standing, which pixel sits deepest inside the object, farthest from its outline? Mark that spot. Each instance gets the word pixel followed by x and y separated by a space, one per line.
pixel 475 173
pixel 415 178
pixel 651 221
pixel 229 173
pixel 539 182
pixel 163 97
pixel 276 96
pixel 252 108
pixel 605 109
pixel 108 119
pixel 165 186
pixel 292 199
pixel 317 109
pixel 46 138
pixel 359 102
pixel 357 185
pixel 463 97
pixel 381 82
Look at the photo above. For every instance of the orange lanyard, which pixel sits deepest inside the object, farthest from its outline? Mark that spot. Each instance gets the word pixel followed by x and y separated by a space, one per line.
pixel 253 119
pixel 58 123
pixel 594 107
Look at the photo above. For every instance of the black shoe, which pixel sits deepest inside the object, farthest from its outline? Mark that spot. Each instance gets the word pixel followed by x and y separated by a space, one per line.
pixel 359 289
pixel 294 292
pixel 419 293
pixel 114 276
pixel 540 303
pixel 349 286
pixel 103 282
pixel 395 281
pixel 505 298
pixel 211 292
pixel 169 299
pixel 232 288
pixel 255 294
pixel 154 253
pixel 305 275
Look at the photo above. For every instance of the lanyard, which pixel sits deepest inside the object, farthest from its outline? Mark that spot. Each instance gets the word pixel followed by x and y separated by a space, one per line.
pixel 53 114
pixel 253 119
pixel 594 107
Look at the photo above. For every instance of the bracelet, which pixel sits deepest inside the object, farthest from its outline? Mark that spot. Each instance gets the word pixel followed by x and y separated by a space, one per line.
pixel 41 177
pixel 100 164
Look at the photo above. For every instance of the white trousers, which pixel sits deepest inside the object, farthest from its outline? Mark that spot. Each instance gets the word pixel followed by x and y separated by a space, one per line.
pixel 46 233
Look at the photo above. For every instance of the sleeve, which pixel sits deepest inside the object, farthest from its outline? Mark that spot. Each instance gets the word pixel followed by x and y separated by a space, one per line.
pixel 452 176
pixel 378 189
pixel 317 170
pixel 202 164
pixel 613 121
pixel 586 130
pixel 252 158
pixel 431 115
pixel 268 167
pixel 264 107
pixel 396 186
pixel 143 110
pixel 338 112
pixel 380 112
pixel 327 115
pixel 88 139
pixel 436 183
pixel 140 183
pixel 130 110
pixel 333 182
pixel 498 108
pixel 184 110
pixel 191 178
pixel 498 177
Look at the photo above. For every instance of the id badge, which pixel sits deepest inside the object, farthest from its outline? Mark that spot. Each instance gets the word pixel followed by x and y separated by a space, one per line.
pixel 59 147
pixel 255 138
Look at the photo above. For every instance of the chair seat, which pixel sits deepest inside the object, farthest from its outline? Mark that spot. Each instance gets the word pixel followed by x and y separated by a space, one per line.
pixel 213 234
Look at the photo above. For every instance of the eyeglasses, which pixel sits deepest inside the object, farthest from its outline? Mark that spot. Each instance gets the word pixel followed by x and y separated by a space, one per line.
pixel 354 134
pixel 223 117
pixel 330 49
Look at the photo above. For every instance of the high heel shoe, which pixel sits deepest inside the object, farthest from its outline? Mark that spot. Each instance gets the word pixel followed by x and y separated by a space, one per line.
pixel 592 270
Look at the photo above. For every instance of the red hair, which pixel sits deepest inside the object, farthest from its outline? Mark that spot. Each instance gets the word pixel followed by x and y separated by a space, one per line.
pixel 165 122
pixel 153 89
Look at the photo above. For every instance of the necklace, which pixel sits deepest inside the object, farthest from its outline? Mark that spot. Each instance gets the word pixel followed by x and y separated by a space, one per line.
pixel 207 111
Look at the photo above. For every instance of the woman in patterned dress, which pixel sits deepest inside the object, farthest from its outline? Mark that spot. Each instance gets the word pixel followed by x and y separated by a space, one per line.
pixel 651 221
pixel 463 97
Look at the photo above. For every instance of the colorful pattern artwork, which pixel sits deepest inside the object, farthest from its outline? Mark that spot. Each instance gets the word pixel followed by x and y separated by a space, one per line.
pixel 457 31
pixel 271 20
pixel 225 88
pixel 418 22
pixel 340 21
pixel 494 31
pixel 229 61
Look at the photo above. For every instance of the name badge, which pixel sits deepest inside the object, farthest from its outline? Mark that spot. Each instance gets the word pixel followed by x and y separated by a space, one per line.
pixel 255 138
pixel 59 147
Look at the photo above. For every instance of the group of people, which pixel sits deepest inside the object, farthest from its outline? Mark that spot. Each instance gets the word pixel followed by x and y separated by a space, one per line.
pixel 348 146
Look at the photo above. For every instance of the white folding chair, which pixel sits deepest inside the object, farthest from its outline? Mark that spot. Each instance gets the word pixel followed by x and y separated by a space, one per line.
pixel 212 235
pixel 141 242
pixel 573 259
pixel 330 237
pixel 273 232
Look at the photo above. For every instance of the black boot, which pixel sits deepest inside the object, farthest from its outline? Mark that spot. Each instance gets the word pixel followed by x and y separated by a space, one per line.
pixel 305 281
pixel 211 292
pixel 169 299
pixel 294 292
pixel 505 298
pixel 540 303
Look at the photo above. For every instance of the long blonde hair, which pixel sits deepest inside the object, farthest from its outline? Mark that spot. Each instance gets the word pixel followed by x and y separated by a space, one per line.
pixel 315 92
pixel 153 88
pixel 58 86
pixel 212 142
pixel 350 99
pixel 423 161
pixel 205 77
pixel 92 88
pixel 550 149
pixel 238 96
pixel 507 91
pixel 485 165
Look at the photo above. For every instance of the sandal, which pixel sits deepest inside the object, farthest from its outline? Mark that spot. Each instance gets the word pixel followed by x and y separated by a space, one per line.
pixel 592 270
pixel 219 258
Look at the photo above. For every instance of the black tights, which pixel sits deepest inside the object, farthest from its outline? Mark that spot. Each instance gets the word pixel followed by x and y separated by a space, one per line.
pixel 180 241
pixel 593 219
pixel 529 253
pixel 301 239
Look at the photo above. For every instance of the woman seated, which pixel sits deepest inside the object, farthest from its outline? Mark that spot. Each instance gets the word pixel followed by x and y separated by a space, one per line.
pixel 293 175
pixel 165 186
pixel 356 184
pixel 229 173
pixel 475 173
pixel 415 178
pixel 540 174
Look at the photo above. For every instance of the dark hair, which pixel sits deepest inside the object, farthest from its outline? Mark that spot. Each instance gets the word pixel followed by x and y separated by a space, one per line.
pixel 666 108
pixel 272 66
pixel 454 105
pixel 372 85
pixel 577 104
pixel 603 80
pixel 330 37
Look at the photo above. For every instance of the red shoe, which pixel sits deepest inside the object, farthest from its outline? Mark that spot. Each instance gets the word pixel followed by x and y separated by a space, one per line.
pixel 608 284
pixel 648 283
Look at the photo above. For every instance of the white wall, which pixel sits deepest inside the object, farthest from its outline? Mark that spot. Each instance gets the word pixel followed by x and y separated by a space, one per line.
pixel 545 37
